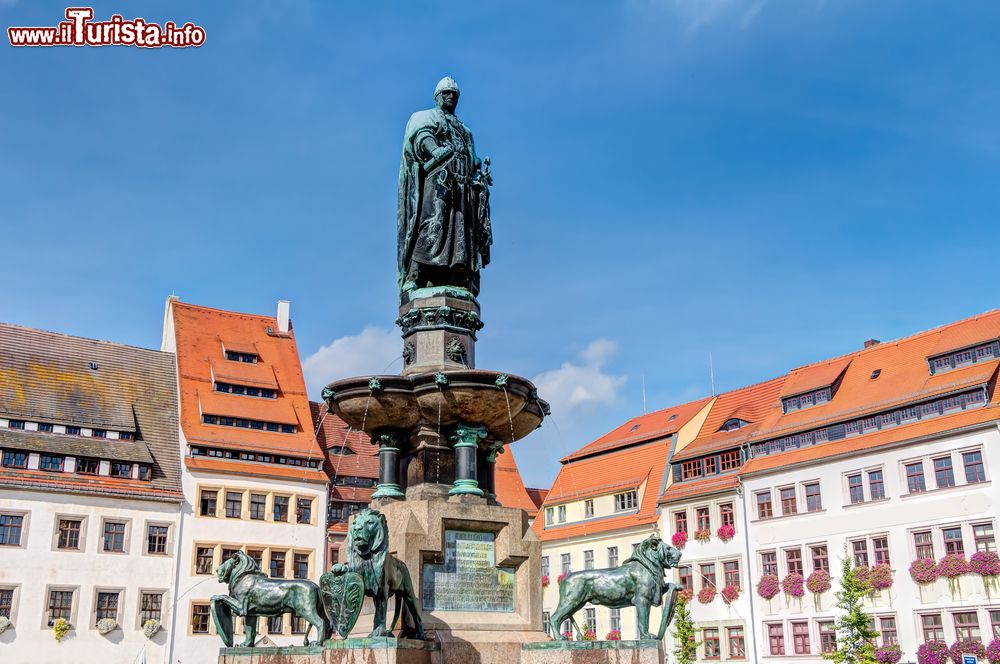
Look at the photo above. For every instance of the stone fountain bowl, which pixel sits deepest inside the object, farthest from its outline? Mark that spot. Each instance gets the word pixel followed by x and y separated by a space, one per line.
pixel 505 404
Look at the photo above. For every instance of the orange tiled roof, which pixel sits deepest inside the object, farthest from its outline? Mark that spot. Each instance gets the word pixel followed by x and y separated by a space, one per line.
pixel 659 424
pixel 703 487
pixel 509 487
pixel 275 470
pixel 333 432
pixel 537 496
pixel 814 377
pixel 200 333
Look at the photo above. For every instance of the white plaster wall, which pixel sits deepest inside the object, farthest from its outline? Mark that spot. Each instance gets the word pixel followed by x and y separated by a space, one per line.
pixel 37 565
pixel 897 517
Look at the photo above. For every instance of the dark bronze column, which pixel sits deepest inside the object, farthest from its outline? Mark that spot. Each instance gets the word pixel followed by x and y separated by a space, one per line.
pixel 389 441
pixel 466 439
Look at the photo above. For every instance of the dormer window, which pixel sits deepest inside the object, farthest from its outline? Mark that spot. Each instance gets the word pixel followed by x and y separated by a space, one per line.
pixel 341 450
pixel 814 398
pixel 246 391
pixel 234 356
pixel 634 427
pixel 963 358
pixel 733 424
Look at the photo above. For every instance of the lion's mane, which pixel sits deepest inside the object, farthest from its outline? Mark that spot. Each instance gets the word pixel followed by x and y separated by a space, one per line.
pixel 371 566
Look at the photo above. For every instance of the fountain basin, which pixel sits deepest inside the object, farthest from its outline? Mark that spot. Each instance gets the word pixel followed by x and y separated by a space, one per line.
pixel 506 405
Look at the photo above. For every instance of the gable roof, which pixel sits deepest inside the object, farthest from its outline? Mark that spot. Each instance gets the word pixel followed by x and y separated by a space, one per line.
pixel 47 377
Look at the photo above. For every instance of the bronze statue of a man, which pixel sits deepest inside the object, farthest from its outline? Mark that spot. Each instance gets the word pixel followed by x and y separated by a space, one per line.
pixel 443 214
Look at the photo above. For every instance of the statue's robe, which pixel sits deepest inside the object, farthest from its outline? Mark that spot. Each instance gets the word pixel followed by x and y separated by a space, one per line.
pixel 437 215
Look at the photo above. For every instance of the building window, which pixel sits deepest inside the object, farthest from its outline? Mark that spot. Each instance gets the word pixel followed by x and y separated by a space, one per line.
pixel 303 510
pixel 258 506
pixel 887 627
pixel 114 536
pixel 876 485
pixel 280 508
pixel 277 564
pixel 209 499
pixel 776 638
pixel 859 550
pixel 974 471
pixel 944 474
pixel 707 575
pixel 234 505
pixel 880 549
pixel 156 540
pixel 626 501
pixel 764 507
pixel 932 627
pixel 966 626
pixel 588 559
pixel 7 602
pixel 691 469
pixel 300 565
pixel 11 526
pixel 737 643
pixel 681 522
pixel 855 489
pixel 729 460
pixel 546 627
pixel 612 556
pixel 924 544
pixel 566 565
pixel 51 462
pixel 710 637
pixel 704 523
pixel 87 466
pixel 827 637
pixel 983 534
pixel 616 619
pixel 562 514
pixel 769 563
pixel 69 534
pixel 726 514
pixel 588 508
pixel 203 559
pixel 994 623
pixel 814 501
pixel 590 620
pixel 60 605
pixel 545 565
pixel 276 624
pixel 953 540
pixel 14 459
pixel 800 637
pixel 98 433
pixel 793 559
pixel 684 577
pixel 731 571
pixel 710 466
pixel 788 501
pixel 257 556
pixel 915 477
pixel 107 607
pixel 234 356
pixel 120 469
pixel 299 625
pixel 820 559
pixel 199 618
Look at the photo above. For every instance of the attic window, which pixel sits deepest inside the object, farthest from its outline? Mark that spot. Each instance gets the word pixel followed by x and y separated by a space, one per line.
pixel 234 356
pixel 963 358
pixel 634 427
pixel 341 450
pixel 814 398
pixel 672 417
pixel 733 424
pixel 875 374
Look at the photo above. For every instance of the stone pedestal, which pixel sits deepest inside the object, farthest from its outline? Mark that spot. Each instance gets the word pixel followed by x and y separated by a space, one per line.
pixel 439 330
pixel 349 651
pixel 592 652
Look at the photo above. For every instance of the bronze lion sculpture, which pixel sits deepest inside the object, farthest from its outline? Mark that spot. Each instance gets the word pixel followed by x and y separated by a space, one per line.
pixel 384 575
pixel 636 582
pixel 252 593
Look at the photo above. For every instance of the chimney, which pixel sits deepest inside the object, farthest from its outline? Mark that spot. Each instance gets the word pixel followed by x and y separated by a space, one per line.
pixel 283 306
pixel 872 342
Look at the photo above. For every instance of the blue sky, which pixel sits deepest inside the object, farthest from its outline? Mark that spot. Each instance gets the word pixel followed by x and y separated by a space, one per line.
pixel 769 182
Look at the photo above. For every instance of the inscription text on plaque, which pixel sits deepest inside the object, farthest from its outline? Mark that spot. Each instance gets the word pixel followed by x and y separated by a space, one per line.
pixel 469 579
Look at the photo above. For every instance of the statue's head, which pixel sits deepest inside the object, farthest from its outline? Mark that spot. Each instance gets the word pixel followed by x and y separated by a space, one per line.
pixel 368 534
pixel 446 94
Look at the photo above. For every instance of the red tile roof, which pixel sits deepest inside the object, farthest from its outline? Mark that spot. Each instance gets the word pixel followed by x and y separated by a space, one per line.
pixel 703 487
pixel 244 468
pixel 201 334
pixel 510 489
pixel 537 496
pixel 332 432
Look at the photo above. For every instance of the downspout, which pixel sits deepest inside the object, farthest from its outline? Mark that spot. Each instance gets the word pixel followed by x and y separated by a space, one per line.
pixel 746 543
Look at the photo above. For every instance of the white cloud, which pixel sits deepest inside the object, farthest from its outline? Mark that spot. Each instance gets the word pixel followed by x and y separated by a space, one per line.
pixel 374 351
pixel 573 386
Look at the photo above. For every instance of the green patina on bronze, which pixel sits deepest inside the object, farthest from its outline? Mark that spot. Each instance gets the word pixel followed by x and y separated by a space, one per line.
pixel 252 594
pixel 443 211
pixel 636 582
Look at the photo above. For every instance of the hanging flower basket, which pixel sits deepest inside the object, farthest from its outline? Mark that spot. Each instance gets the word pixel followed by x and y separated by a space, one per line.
pixel 967 647
pixel 150 628
pixel 888 654
pixel 726 532
pixel 563 576
pixel 793 585
pixel 818 582
pixel 985 563
pixel 60 628
pixel 924 571
pixel 703 535
pixel 679 539
pixel 953 566
pixel 106 626
pixel 590 635
pixel 614 635
pixel 862 574
pixel 880 577
pixel 686 595
pixel 545 580
pixel 933 652
pixel 730 594
pixel 706 595
pixel 768 586
pixel 993 652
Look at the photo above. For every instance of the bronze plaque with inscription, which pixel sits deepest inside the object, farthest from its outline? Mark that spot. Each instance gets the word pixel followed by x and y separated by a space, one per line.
pixel 469 579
